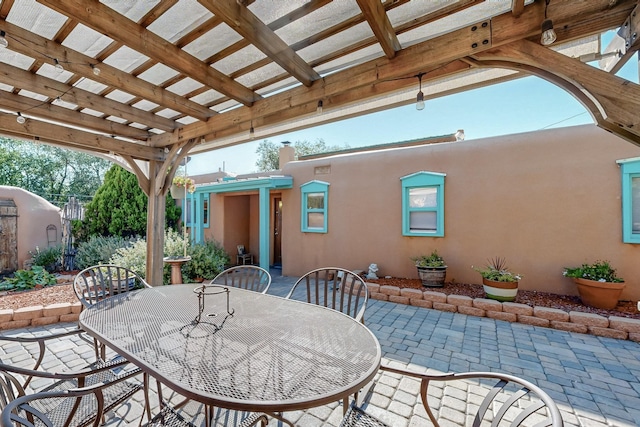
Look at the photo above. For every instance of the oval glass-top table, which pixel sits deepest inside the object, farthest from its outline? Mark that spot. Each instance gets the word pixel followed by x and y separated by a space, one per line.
pixel 248 351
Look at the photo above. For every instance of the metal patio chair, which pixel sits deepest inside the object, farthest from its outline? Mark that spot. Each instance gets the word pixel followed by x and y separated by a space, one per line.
pixel 333 287
pixel 507 400
pixel 16 382
pixel 248 277
pixel 98 282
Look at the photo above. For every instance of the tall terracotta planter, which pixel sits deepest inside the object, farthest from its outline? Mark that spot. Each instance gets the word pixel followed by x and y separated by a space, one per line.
pixel 500 291
pixel 599 294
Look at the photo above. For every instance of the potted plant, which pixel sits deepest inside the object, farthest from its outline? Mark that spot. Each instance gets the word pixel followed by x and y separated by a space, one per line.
pixel 431 269
pixel 597 283
pixel 180 184
pixel 499 283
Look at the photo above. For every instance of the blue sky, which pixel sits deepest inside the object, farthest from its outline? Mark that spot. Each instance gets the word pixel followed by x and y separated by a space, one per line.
pixel 522 105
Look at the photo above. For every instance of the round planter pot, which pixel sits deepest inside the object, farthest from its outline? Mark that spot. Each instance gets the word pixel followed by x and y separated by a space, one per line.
pixel 177 192
pixel 500 291
pixel 599 294
pixel 432 277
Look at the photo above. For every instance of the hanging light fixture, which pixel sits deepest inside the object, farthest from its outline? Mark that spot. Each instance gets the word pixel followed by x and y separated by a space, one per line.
pixel 20 119
pixel 548 34
pixel 96 70
pixel 320 105
pixel 3 40
pixel 58 66
pixel 251 131
pixel 420 96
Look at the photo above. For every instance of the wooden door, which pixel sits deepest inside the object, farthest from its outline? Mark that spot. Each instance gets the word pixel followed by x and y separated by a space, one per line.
pixel 8 236
pixel 277 231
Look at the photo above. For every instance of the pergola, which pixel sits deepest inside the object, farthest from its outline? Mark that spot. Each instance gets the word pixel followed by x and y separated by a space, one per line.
pixel 148 82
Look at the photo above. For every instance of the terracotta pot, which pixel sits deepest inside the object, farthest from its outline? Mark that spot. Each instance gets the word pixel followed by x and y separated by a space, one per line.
pixel 177 192
pixel 432 277
pixel 599 294
pixel 500 291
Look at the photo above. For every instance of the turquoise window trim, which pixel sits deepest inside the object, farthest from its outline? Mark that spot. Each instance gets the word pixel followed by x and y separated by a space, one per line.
pixel 630 170
pixel 423 180
pixel 196 209
pixel 311 188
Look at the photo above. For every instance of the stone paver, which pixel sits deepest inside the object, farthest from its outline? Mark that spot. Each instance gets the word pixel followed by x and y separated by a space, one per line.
pixel 594 380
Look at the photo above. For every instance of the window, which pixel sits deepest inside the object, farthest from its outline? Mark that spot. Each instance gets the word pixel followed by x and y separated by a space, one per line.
pixel 423 204
pixel 314 206
pixel 630 200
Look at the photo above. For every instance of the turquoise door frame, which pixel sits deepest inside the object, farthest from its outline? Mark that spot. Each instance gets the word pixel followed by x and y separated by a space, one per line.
pixel 262 185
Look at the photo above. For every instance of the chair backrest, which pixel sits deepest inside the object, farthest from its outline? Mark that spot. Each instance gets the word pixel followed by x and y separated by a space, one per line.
pixel 241 250
pixel 98 282
pixel 38 409
pixel 248 277
pixel 333 287
pixel 506 399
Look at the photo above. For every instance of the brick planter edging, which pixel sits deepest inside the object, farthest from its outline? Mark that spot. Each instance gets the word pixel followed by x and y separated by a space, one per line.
pixel 39 315
pixel 573 321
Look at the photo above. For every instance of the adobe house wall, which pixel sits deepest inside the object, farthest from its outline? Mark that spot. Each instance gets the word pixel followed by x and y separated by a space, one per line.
pixel 544 200
pixel 34 215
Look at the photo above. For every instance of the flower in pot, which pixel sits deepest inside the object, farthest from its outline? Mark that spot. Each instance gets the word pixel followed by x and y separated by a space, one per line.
pixel 499 283
pixel 597 283
pixel 432 269
pixel 180 184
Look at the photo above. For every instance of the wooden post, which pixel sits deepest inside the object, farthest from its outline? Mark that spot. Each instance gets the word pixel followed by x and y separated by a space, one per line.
pixel 155 228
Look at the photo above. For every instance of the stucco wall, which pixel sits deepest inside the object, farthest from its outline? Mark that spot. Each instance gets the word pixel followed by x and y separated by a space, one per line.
pixel 34 215
pixel 543 200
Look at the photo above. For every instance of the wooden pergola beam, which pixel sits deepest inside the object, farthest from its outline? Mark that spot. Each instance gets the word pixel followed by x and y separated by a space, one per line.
pixel 421 57
pixel 612 101
pixel 252 29
pixel 105 20
pixel 46 132
pixel 23 79
pixel 80 64
pixel 376 16
pixel 13 102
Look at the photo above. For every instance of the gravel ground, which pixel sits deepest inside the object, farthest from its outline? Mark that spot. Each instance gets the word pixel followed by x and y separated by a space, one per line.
pixel 532 298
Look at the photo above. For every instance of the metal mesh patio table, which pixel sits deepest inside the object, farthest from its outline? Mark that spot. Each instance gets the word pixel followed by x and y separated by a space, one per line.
pixel 248 351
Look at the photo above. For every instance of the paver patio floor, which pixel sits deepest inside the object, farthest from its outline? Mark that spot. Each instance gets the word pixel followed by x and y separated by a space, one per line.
pixel 594 380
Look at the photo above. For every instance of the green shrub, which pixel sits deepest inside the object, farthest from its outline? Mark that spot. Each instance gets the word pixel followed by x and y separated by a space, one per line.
pixel 49 258
pixel 207 259
pixel 100 249
pixel 28 279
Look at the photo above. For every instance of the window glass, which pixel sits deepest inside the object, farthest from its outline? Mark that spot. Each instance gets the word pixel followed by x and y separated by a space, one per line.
pixel 423 197
pixel 420 221
pixel 315 220
pixel 315 201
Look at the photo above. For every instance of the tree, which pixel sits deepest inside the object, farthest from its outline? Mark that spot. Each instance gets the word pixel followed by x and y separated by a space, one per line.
pixel 51 172
pixel 269 152
pixel 119 207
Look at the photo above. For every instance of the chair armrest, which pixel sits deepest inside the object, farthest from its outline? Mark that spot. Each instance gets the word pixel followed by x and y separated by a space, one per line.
pixel 502 380
pixel 9 415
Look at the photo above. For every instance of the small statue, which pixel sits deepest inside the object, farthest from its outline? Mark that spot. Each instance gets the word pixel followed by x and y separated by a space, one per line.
pixel 373 268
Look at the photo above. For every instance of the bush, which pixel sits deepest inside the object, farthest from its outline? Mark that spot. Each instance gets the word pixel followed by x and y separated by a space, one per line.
pixel 207 259
pixel 28 279
pixel 100 249
pixel 50 258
